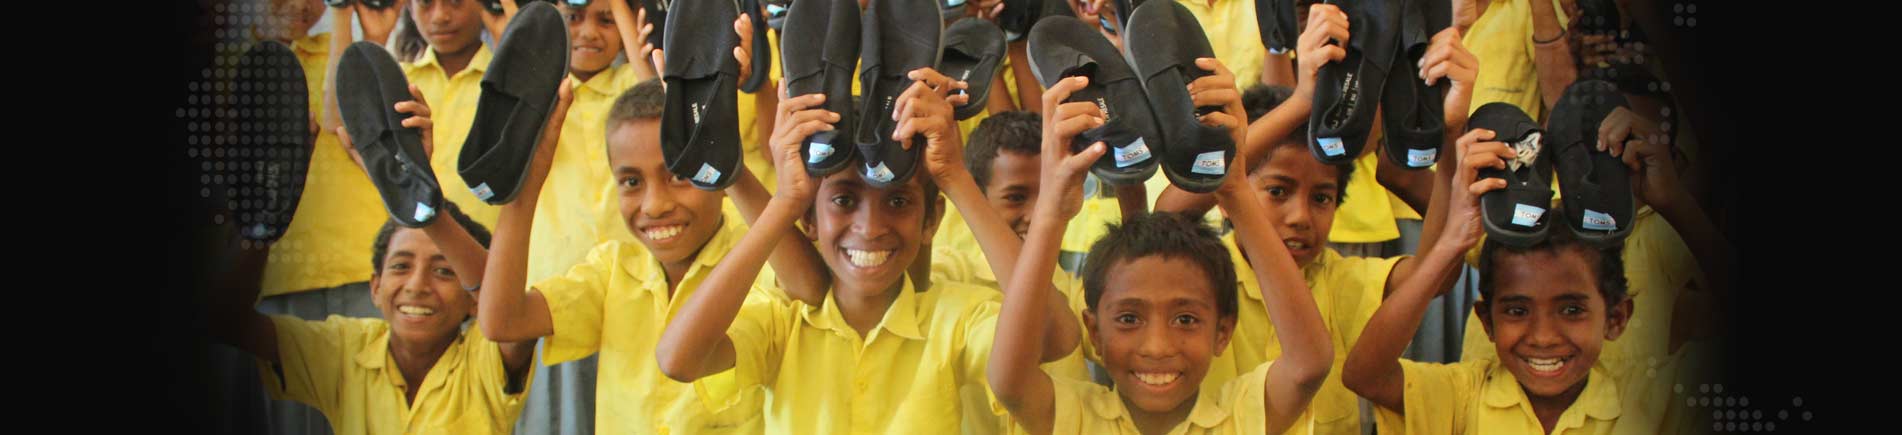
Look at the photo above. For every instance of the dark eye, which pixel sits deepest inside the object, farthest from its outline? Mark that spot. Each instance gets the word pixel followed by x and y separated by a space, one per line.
pixel 1187 320
pixel 398 267
pixel 845 201
pixel 1277 191
pixel 1016 198
pixel 1516 311
pixel 631 182
pixel 899 201
pixel 1127 319
pixel 1323 199
pixel 445 272
pixel 1572 310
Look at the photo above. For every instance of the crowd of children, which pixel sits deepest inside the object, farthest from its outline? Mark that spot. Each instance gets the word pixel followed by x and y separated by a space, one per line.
pixel 1004 289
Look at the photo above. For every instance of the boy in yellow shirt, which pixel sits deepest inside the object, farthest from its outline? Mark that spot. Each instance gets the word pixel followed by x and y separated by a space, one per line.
pixel 1550 310
pixel 1161 307
pixel 878 355
pixel 616 301
pixel 1303 196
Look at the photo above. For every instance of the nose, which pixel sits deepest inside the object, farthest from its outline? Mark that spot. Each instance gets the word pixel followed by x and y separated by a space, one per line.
pixel 1156 343
pixel 869 223
pixel 1295 215
pixel 1544 332
pixel 658 202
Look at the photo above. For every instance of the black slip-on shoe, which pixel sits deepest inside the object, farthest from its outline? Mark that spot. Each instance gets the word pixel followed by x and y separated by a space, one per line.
pixel 1063 47
pixel 1347 92
pixel 274 111
pixel 1596 187
pixel 1018 16
pixel 973 51
pixel 369 84
pixel 1413 114
pixel 1516 215
pixel 818 50
pixel 518 93
pixel 896 37
pixel 699 127
pixel 657 15
pixel 1163 41
pixel 1278 29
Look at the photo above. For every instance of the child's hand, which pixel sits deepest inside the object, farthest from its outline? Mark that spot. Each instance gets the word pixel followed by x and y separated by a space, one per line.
pixel 1477 150
pixel 1466 12
pixel 1654 177
pixel 1062 170
pixel 628 17
pixel 1219 89
pixel 378 23
pixel 1323 41
pixel 797 118
pixel 550 138
pixel 988 9
pixel 496 23
pixel 1623 125
pixel 924 109
pixel 744 53
pixel 1447 58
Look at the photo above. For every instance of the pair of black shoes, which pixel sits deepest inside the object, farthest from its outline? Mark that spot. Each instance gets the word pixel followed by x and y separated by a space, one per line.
pixel 1380 71
pixel 1597 203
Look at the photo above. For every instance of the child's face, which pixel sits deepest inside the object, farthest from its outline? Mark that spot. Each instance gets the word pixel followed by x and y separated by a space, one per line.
pixel 450 26
pixel 1156 327
pixel 666 213
pixel 1012 189
pixel 292 19
pixel 417 292
pixel 593 37
pixel 1300 193
pixel 1548 319
pixel 868 235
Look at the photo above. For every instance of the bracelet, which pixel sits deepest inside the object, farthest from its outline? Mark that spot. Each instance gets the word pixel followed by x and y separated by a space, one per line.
pixel 1561 37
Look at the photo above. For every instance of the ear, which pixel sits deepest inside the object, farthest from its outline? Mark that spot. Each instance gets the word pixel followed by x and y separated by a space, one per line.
pixel 1224 330
pixel 1619 316
pixel 1089 327
pixel 1483 309
pixel 375 294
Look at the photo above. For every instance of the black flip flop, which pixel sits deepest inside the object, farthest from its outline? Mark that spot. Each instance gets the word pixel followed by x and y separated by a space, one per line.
pixel 1063 47
pixel 818 48
pixel 973 51
pixel 1596 187
pixel 519 91
pixel 369 84
pixel 1347 92
pixel 1163 40
pixel 1517 214
pixel 897 36
pixel 274 110
pixel 699 127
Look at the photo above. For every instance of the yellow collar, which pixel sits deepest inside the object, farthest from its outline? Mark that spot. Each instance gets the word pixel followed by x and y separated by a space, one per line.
pixel 1598 401
pixel 901 318
pixel 375 355
pixel 1206 414
pixel 478 64
pixel 654 277
pixel 1245 275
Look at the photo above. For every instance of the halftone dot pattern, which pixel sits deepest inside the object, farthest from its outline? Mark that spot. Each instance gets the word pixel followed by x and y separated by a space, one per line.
pixel 1732 413
pixel 1684 15
pixel 237 116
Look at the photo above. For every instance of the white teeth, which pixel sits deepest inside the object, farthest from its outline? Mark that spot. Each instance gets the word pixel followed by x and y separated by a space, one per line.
pixel 1545 364
pixel 662 233
pixel 1295 244
pixel 867 258
pixel 1157 378
pixel 414 310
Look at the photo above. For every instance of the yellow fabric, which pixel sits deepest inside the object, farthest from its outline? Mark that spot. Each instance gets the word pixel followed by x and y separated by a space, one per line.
pixel 616 304
pixel 578 179
pixel 1234 36
pixel 1366 216
pixel 1658 265
pixel 452 108
pixel 1502 41
pixel 342 367
pixel 1482 397
pixel 904 378
pixel 328 241
pixel 1347 291
pixel 1235 407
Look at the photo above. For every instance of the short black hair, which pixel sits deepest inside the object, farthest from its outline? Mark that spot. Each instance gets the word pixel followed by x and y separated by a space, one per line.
pixel 1609 262
pixel 1168 235
pixel 643 101
pixel 381 246
pixel 1259 99
pixel 1015 131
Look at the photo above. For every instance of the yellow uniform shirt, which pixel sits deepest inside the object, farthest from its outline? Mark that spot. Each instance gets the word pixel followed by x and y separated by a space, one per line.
pixel 1482 397
pixel 1658 265
pixel 903 378
pixel 342 367
pixel 616 304
pixel 1234 36
pixel 1367 214
pixel 1235 407
pixel 328 241
pixel 1347 291
pixel 578 179
pixel 452 108
pixel 1502 41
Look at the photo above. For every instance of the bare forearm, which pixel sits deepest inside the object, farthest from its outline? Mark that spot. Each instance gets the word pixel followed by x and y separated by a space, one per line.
pixel 1373 367
pixel 503 311
pixel 1551 54
pixel 795 262
pixel 1013 367
pixel 699 329
pixel 1002 250
pixel 1132 200
pixel 1029 91
pixel 466 256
